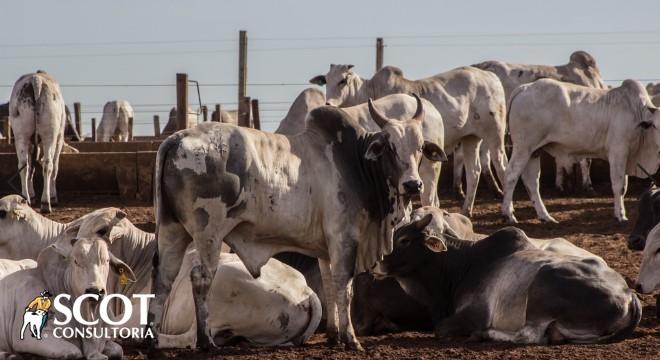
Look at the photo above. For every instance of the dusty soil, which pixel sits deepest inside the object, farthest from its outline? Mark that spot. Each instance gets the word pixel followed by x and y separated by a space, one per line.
pixel 586 221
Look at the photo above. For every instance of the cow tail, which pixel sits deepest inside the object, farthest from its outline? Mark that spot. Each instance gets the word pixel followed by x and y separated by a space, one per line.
pixel 163 151
pixel 37 86
pixel 514 93
pixel 315 314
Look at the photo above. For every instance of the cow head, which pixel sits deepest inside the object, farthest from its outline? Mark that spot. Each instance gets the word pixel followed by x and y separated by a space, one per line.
pixel 340 84
pixel 649 272
pixel 400 145
pixel 413 246
pixel 584 71
pixel 16 221
pixel 87 256
pixel 648 216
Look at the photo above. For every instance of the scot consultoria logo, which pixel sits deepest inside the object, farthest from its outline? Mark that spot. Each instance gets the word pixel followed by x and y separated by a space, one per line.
pixel 36 315
pixel 70 323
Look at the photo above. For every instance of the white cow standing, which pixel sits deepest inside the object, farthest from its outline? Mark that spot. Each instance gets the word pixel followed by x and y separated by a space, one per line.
pixel 396 106
pixel 581 69
pixel 566 120
pixel 470 100
pixel 115 124
pixel 37 115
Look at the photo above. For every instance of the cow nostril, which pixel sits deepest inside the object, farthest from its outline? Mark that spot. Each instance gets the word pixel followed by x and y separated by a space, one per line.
pixel 328 103
pixel 635 243
pixel 95 291
pixel 412 187
pixel 638 287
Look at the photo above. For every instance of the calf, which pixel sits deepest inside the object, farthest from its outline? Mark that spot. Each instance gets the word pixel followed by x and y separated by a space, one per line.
pixel 499 288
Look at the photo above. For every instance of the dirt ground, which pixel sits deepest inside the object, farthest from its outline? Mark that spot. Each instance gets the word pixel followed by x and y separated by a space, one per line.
pixel 586 221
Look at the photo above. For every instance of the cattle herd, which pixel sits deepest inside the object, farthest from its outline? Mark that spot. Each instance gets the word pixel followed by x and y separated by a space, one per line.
pixel 334 217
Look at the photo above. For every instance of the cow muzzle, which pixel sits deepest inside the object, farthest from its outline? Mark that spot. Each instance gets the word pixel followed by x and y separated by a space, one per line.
pixel 413 187
pixel 95 291
pixel 636 242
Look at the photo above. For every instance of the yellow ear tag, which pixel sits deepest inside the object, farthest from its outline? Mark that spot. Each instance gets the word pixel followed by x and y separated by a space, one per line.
pixel 123 278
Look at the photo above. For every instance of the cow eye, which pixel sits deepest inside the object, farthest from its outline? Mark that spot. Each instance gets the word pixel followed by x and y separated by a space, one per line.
pixel 343 82
pixel 3 214
pixel 404 242
pixel 102 232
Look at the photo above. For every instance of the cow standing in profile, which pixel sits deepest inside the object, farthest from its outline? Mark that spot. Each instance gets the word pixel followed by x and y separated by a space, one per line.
pixel 37 116
pixel 334 192
pixel 619 125
pixel 470 100
pixel 580 70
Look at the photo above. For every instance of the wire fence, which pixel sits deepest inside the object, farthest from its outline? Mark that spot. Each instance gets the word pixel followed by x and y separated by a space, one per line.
pixel 273 110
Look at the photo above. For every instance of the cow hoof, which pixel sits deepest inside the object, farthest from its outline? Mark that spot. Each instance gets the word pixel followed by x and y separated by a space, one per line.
pixel 466 213
pixel 590 191
pixel 549 220
pixel 622 220
pixel 460 195
pixel 45 208
pixel 510 219
pixel 354 346
pixel 332 340
pixel 205 344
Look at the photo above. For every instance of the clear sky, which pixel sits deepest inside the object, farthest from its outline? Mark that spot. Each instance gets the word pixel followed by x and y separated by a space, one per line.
pixel 133 42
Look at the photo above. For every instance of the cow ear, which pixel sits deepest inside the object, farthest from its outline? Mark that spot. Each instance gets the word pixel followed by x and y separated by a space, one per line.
pixel 433 152
pixel 376 147
pixel 318 80
pixel 120 267
pixel 349 66
pixel 435 243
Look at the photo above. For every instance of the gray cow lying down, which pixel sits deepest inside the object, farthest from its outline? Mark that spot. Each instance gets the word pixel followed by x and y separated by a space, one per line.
pixel 77 263
pixel 503 288
pixel 280 293
pixel 381 306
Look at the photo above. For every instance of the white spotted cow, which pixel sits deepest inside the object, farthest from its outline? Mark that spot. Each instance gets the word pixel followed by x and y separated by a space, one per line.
pixel 37 116
pixel 340 190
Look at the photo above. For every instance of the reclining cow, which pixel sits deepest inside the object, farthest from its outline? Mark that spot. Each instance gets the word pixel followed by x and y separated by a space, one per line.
pixel 11 266
pixel 37 116
pixel 470 100
pixel 339 189
pixel 619 125
pixel 580 70
pixel 381 306
pixel 396 106
pixel 503 288
pixel 280 293
pixel 648 216
pixel 76 264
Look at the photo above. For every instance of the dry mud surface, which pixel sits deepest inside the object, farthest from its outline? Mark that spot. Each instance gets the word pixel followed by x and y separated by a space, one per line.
pixel 585 221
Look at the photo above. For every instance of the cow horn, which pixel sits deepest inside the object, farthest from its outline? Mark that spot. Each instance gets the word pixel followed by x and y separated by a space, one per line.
pixel 376 115
pixel 419 113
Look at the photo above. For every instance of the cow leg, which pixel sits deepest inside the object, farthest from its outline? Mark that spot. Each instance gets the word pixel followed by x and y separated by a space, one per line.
pixel 54 200
pixel 472 172
pixel 172 242
pixel 563 167
pixel 47 166
pixel 619 185
pixel 24 166
pixel 429 172
pixel 516 166
pixel 585 169
pixel 486 171
pixel 458 172
pixel 331 329
pixel 530 177
pixel 498 159
pixel 343 268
